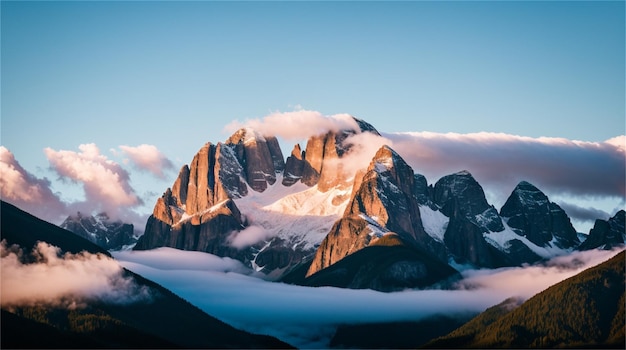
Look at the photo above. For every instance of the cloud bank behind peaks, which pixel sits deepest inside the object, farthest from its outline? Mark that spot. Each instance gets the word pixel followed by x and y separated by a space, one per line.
pixel 66 281
pixel 558 165
pixel 296 125
pixel 148 158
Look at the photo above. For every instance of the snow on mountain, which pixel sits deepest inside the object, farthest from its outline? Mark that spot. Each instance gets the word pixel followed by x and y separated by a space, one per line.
pixel 502 241
pixel 298 214
pixel 435 223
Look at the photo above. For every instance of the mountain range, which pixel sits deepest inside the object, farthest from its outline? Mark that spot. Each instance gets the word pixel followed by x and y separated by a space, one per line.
pixel 294 219
pixel 101 230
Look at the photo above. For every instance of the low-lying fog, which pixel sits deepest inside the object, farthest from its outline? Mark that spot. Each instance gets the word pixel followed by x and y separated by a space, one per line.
pixel 307 317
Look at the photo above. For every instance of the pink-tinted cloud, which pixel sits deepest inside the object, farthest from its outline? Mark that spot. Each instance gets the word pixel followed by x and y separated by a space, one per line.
pixel 148 158
pixel 499 161
pixel 105 182
pixel 296 125
pixel 23 189
pixel 67 280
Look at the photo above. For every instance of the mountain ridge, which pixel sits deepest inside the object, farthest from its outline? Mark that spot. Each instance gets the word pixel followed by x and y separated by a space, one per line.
pixel 386 196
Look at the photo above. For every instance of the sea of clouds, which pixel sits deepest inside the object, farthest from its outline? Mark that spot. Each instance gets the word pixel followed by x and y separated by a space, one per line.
pixel 307 317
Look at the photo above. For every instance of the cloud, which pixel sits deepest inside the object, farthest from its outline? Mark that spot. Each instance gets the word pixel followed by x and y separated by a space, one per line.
pixel 297 125
pixel 69 280
pixel 248 236
pixel 500 161
pixel 307 317
pixel 23 189
pixel 148 158
pixel 584 214
pixel 105 182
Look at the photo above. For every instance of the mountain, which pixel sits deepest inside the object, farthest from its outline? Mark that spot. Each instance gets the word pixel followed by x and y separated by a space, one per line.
pixel 101 230
pixel 529 212
pixel 239 199
pixel 227 193
pixel 583 311
pixel 383 202
pixel 606 234
pixel 163 321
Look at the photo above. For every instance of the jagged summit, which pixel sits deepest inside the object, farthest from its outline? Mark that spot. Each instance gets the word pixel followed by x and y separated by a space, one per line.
pixel 460 192
pixel 101 230
pixel 529 212
pixel 606 234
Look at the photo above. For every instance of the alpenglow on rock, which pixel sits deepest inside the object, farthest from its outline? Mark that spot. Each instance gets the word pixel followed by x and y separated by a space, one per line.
pixel 384 201
pixel 529 212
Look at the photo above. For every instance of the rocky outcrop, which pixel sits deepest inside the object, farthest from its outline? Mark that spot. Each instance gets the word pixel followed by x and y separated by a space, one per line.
pixel 322 159
pixel 529 212
pixel 606 234
pixel 294 166
pixel 101 230
pixel 460 193
pixel 260 157
pixel 198 213
pixel 208 232
pixel 384 201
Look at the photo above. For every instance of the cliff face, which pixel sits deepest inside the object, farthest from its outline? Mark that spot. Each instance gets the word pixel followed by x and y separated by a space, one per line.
pixel 606 234
pixel 530 213
pixel 384 201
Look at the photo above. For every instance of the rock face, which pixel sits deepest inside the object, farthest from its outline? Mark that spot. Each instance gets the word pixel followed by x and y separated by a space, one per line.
pixel 460 193
pixel 383 201
pixel 606 234
pixel 461 198
pixel 530 214
pixel 101 230
pixel 259 156
pixel 294 166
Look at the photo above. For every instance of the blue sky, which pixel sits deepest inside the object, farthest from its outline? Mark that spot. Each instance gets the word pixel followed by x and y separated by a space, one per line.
pixel 174 74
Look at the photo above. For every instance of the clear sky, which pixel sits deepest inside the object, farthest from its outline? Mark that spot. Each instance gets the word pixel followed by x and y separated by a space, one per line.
pixel 174 74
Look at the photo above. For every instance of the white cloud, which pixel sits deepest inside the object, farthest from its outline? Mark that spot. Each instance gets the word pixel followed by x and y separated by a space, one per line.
pixel 23 189
pixel 148 158
pixel 297 125
pixel 307 317
pixel 67 280
pixel 500 161
pixel 248 236
pixel 105 182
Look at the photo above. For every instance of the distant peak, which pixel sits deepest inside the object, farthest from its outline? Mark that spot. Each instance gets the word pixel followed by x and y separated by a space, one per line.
pixel 365 126
pixel 386 152
pixel 526 186
pixel 245 135
pixel 463 173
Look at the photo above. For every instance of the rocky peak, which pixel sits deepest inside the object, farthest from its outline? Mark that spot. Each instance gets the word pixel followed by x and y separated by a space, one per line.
pixel 384 203
pixel 101 230
pixel 259 156
pixel 530 213
pixel 294 166
pixel 322 159
pixel 472 204
pixel 606 234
